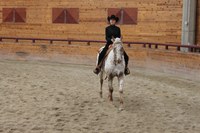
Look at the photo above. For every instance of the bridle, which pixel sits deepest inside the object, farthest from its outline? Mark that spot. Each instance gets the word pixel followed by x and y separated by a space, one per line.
pixel 115 54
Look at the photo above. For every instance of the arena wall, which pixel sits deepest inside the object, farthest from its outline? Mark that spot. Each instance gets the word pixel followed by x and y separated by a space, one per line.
pixel 158 21
pixel 186 64
pixel 198 24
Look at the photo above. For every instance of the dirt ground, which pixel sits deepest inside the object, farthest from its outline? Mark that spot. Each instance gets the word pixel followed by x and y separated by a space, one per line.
pixel 44 97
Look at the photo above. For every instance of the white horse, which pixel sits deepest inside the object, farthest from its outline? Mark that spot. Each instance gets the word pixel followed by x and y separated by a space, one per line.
pixel 114 66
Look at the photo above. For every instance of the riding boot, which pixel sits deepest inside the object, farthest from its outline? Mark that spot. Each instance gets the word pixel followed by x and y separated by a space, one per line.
pixel 96 70
pixel 126 71
pixel 101 57
pixel 126 58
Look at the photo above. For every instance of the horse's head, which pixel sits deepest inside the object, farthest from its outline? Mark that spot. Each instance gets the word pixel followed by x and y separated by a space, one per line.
pixel 118 50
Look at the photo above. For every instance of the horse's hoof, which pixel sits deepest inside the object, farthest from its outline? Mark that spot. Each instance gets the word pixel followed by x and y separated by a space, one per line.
pixel 121 108
pixel 101 95
pixel 110 98
pixel 111 101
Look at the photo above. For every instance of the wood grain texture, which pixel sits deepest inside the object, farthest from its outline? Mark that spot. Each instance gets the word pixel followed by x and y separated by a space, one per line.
pixel 198 24
pixel 158 20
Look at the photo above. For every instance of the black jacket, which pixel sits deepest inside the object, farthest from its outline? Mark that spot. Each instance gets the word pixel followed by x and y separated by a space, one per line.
pixel 112 31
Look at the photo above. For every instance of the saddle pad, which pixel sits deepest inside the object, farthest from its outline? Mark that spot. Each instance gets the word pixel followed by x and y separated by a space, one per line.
pixel 106 55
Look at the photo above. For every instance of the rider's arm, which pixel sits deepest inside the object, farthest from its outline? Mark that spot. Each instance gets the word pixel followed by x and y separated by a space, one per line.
pixel 108 36
pixel 119 33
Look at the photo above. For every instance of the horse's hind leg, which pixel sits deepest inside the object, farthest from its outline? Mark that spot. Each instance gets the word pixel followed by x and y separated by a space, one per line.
pixel 110 82
pixel 101 84
pixel 121 81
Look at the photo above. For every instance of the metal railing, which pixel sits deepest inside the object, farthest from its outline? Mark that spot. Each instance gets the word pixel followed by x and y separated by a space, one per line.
pixel 190 48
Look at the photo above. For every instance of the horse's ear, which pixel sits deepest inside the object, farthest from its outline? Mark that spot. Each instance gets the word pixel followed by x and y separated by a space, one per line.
pixel 113 39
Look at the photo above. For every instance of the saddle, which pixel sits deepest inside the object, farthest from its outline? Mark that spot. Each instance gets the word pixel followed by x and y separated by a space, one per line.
pixel 106 55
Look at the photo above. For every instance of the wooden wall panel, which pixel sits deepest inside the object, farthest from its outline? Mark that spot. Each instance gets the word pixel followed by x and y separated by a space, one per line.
pixel 158 20
pixel 73 15
pixel 58 15
pixel 130 15
pixel 198 23
pixel 20 15
pixel 7 14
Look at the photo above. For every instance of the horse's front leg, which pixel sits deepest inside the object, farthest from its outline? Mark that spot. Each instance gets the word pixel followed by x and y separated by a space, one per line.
pixel 121 82
pixel 110 82
pixel 101 84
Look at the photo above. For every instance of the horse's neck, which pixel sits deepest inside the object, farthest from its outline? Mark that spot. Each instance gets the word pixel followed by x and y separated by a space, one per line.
pixel 111 57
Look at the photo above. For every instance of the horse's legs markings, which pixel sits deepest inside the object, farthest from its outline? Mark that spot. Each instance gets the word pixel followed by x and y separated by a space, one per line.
pixel 121 81
pixel 110 82
pixel 101 82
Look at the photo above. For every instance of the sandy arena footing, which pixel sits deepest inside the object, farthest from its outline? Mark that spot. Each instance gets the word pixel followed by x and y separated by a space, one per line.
pixel 44 97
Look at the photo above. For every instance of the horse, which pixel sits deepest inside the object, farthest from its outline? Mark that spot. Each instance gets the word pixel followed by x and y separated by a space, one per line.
pixel 113 66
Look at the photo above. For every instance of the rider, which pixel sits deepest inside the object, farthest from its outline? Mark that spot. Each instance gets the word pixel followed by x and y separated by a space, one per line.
pixel 112 31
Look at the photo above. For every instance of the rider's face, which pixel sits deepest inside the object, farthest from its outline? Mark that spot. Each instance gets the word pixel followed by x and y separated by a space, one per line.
pixel 112 22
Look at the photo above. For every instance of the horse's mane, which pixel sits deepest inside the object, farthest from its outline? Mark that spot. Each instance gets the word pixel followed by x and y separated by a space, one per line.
pixel 117 41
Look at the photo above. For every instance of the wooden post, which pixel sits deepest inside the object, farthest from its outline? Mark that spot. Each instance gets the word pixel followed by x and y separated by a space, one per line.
pixel 178 48
pixel 189 23
pixel 149 45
